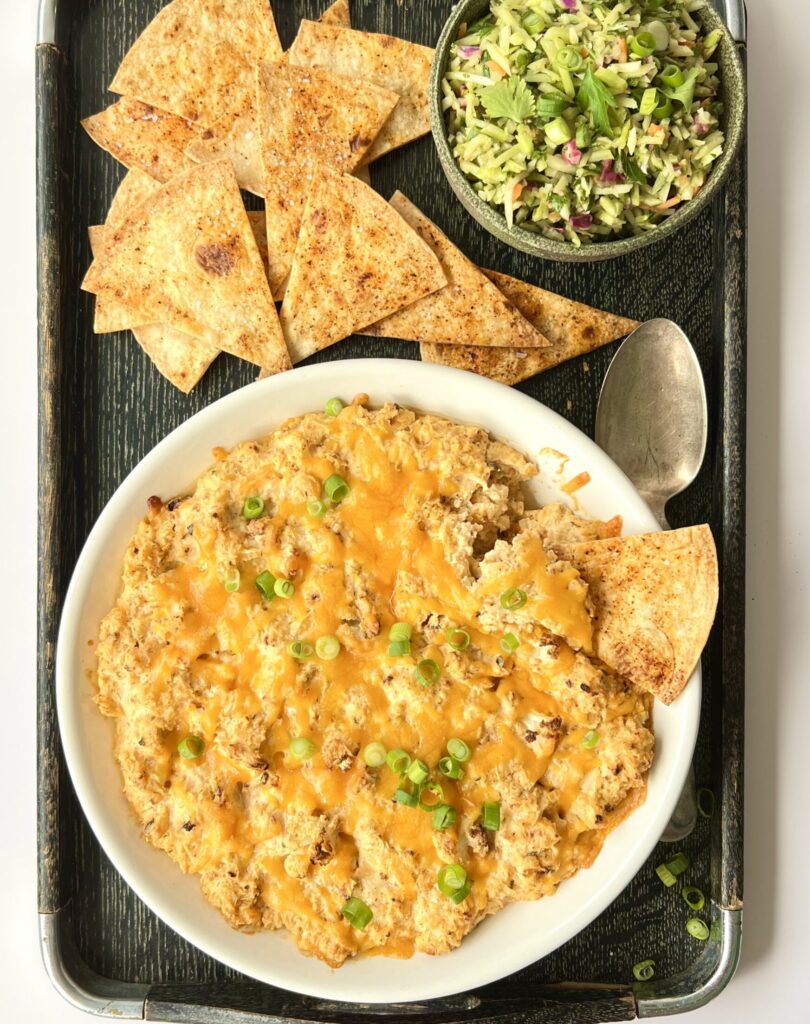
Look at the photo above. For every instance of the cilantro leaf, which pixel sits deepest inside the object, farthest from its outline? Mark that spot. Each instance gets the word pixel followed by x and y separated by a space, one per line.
pixel 510 97
pixel 633 171
pixel 685 93
pixel 595 97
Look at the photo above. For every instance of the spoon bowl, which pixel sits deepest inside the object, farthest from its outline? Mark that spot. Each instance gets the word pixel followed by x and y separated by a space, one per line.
pixel 652 417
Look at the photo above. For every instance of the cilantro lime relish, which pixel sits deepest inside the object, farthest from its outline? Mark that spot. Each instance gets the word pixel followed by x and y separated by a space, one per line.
pixel 584 121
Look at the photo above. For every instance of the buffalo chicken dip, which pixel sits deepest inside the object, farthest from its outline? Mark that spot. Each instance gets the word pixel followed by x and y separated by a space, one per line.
pixel 354 688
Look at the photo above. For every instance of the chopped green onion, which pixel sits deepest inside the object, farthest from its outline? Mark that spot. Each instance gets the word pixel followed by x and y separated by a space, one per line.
pixel 569 58
pixel 678 864
pixel 437 796
pixel 334 407
pixel 453 882
pixel 671 76
pixel 583 136
pixel 649 102
pixel 232 582
pixel 693 896
pixel 491 815
pixel 642 44
pixel 509 643
pixel 458 750
pixel 557 132
pixel 264 583
pixel 317 508
pixel 191 747
pixel 664 111
pixel 327 647
pixel 301 748
pixel 551 106
pixel 283 588
pixel 427 672
pixel 705 802
pixel 514 597
pixel 417 771
pixel 450 768
pixel 697 928
pixel 398 760
pixel 458 638
pixel 356 912
pixel 300 649
pixel 374 755
pixel 444 816
pixel 644 971
pixel 400 631
pixel 660 33
pixel 406 798
pixel 665 875
pixel 336 488
pixel 252 508
pixel 533 22
pixel 590 739
pixel 399 649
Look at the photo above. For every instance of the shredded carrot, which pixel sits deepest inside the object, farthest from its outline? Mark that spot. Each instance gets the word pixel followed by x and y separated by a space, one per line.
pixel 517 188
pixel 669 203
pixel 655 129
pixel 496 70
pixel 614 526
pixel 622 50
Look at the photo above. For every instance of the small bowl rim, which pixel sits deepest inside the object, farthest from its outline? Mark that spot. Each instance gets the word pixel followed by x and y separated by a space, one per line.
pixel 734 89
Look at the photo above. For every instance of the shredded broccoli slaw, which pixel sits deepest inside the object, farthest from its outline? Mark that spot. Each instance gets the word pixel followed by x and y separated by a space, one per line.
pixel 584 121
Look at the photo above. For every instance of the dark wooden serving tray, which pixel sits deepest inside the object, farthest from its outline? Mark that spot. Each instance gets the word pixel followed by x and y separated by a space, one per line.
pixel 103 407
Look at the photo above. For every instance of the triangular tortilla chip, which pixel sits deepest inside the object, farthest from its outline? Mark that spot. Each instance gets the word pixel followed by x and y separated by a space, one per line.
pixel 235 136
pixel 180 358
pixel 309 119
pixel 187 257
pixel 197 58
pixel 469 310
pixel 384 60
pixel 141 136
pixel 654 598
pixel 356 260
pixel 572 328
pixel 337 14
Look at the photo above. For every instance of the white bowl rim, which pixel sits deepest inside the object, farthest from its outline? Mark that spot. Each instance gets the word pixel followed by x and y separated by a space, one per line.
pixel 475 963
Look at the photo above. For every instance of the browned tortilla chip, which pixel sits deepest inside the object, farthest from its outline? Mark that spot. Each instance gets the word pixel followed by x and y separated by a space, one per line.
pixel 141 136
pixel 384 60
pixel 180 358
pixel 356 261
pixel 469 310
pixel 572 329
pixel 234 137
pixel 654 598
pixel 197 58
pixel 187 257
pixel 337 14
pixel 309 119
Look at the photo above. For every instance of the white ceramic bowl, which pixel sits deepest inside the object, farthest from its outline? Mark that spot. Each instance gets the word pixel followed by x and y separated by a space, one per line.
pixel 519 934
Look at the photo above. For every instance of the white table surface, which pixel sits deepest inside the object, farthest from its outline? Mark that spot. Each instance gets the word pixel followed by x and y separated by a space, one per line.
pixel 772 980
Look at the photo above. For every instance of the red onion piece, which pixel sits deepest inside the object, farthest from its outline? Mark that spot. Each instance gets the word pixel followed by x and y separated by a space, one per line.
pixel 581 221
pixel 470 51
pixel 570 153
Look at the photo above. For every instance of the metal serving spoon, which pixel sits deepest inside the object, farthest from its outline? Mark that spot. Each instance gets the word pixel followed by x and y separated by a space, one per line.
pixel 652 420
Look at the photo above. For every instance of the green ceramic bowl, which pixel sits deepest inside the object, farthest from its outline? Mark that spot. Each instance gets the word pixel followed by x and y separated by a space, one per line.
pixel 732 84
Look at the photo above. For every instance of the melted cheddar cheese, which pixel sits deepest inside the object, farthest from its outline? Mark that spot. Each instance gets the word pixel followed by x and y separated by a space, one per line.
pixel 432 532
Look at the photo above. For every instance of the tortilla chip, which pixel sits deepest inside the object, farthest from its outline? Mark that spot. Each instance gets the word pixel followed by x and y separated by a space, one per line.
pixel 180 358
pixel 235 138
pixel 654 598
pixel 309 119
pixel 356 261
pixel 469 310
pixel 383 60
pixel 141 136
pixel 337 14
pixel 258 225
pixel 572 329
pixel 187 257
pixel 197 58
